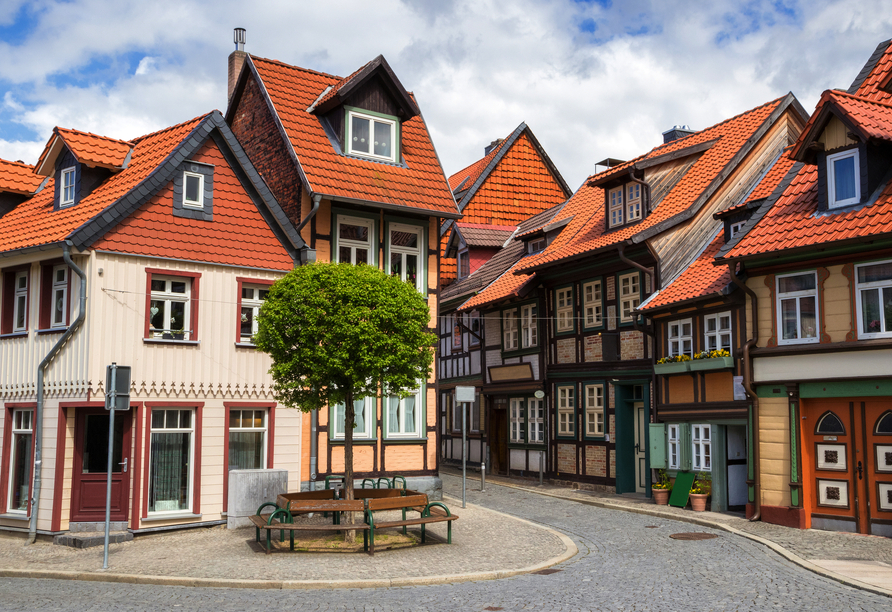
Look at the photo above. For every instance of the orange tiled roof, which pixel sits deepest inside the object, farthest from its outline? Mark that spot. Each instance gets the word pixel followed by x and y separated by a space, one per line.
pixel 34 222
pixel 729 137
pixel 473 172
pixel 872 119
pixel 421 185
pixel 699 279
pixel 878 75
pixel 508 285
pixel 339 86
pixel 772 178
pixel 88 148
pixel 18 178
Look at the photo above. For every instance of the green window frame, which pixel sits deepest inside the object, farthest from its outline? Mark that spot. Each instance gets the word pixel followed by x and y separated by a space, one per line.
pixel 377 149
pixel 366 428
pixel 406 418
pixel 594 398
pixel 398 256
pixel 565 411
pixel 593 304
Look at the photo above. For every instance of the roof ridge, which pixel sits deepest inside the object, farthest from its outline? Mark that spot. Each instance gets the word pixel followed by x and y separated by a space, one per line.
pixel 493 152
pixel 301 68
pixel 16 163
pixel 139 139
pixel 845 94
pixel 82 133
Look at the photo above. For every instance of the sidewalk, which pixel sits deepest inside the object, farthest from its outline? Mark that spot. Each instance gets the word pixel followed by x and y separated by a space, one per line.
pixel 859 560
pixel 486 545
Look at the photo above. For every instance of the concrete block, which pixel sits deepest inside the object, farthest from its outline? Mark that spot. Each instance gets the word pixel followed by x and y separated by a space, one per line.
pixel 248 489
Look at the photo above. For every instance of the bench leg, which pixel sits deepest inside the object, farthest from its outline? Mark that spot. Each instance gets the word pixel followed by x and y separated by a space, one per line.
pixel 257 534
pixel 422 533
pixel 292 540
pixel 404 518
pixel 372 541
pixel 269 540
pixel 365 540
pixel 449 532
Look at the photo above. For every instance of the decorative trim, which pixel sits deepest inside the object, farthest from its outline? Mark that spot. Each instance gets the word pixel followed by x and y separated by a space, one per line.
pixel 771 283
pixel 848 270
pixel 823 275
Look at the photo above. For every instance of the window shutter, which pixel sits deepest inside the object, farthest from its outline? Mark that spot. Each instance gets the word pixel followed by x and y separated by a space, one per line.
pixel 684 440
pixel 658 446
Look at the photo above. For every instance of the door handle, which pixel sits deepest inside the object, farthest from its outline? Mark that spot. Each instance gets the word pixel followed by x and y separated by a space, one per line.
pixel 124 463
pixel 860 471
pixel 637 448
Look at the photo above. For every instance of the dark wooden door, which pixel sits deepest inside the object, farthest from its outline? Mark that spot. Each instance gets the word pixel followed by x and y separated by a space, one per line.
pixel 499 441
pixel 89 474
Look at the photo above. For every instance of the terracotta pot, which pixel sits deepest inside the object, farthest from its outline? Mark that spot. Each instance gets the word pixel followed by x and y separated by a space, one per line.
pixel 661 496
pixel 698 502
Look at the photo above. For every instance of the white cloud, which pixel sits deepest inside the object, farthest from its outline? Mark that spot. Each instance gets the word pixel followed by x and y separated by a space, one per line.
pixel 478 67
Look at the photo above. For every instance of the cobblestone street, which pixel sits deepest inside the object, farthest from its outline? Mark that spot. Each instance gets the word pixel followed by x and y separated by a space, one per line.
pixel 626 561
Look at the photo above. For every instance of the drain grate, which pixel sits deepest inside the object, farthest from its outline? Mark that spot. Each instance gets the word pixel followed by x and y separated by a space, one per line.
pixel 546 572
pixel 696 535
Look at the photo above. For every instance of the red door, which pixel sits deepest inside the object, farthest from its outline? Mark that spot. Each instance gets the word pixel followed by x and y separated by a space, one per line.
pixel 877 466
pixel 90 470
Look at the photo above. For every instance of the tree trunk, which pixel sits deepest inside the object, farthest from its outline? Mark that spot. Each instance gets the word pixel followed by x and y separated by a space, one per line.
pixel 349 422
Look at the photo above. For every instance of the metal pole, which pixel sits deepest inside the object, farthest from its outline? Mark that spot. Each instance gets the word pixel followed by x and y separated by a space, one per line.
pixel 464 452
pixel 112 397
pixel 541 467
pixel 483 475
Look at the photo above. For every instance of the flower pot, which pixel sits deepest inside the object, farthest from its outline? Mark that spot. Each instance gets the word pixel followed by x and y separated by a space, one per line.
pixel 714 363
pixel 676 367
pixel 661 496
pixel 698 502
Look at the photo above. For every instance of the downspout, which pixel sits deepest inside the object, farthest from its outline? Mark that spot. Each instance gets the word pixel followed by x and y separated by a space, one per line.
pixel 316 200
pixel 314 415
pixel 748 385
pixel 645 187
pixel 38 412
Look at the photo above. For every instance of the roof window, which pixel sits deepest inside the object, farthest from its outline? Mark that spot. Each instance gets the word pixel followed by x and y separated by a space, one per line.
pixel 372 135
pixel 843 179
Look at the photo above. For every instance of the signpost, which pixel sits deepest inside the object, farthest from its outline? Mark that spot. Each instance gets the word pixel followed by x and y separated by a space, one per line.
pixel 117 397
pixel 464 395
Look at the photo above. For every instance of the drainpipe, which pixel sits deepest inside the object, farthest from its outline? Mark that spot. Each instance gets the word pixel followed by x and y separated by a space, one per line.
pixel 316 200
pixel 38 412
pixel 748 385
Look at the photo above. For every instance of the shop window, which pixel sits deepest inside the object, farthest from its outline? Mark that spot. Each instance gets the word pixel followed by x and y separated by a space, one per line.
pixel 171 459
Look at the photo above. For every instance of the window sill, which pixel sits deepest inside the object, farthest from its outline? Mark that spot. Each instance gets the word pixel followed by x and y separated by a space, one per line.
pixel 176 342
pixel 540 446
pixel 340 441
pixel 405 440
pixel 244 345
pixel 23 334
pixel 52 330
pixel 169 517
pixel 14 516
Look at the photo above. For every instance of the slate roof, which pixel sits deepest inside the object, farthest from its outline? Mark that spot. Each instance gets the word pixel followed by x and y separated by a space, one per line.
pixel 89 149
pixel 480 235
pixel 713 153
pixel 417 184
pixel 18 178
pixel 483 276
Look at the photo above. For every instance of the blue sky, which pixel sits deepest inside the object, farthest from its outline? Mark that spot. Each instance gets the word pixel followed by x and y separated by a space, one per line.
pixel 592 78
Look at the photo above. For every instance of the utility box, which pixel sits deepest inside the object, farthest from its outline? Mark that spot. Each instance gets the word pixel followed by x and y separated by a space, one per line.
pixel 248 489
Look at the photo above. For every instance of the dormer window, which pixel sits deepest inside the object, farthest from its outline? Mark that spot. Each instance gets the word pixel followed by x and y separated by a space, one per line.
pixel 633 201
pixel 734 228
pixel 843 179
pixel 68 181
pixel 193 196
pixel 616 206
pixel 464 264
pixel 537 246
pixel 372 135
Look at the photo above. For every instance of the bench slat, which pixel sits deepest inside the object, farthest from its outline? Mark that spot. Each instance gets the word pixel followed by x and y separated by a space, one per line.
pixel 316 527
pixel 327 505
pixel 395 503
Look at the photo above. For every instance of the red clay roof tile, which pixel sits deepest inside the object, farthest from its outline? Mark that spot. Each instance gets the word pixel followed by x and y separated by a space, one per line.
pixel 18 178
pixel 699 279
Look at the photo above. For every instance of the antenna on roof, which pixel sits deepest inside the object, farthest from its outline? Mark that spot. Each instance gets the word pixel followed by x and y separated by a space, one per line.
pixel 239 37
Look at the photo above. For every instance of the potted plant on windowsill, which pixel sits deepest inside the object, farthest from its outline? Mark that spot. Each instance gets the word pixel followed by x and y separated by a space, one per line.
pixel 661 488
pixel 712 360
pixel 700 491
pixel 673 365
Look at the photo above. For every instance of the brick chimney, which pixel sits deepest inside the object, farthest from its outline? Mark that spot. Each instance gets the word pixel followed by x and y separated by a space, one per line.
pixel 236 59
pixel 677 131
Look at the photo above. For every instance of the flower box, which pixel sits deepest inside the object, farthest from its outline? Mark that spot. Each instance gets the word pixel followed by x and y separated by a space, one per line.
pixel 676 367
pixel 714 363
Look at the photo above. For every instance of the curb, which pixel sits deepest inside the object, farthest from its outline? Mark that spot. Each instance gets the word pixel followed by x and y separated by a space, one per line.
pixel 570 550
pixel 789 556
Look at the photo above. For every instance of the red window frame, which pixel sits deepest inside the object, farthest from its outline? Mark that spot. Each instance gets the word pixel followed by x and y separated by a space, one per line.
pixel 241 281
pixel 7 305
pixel 193 299
pixel 196 456
pixel 5 461
pixel 270 408
pixel 45 320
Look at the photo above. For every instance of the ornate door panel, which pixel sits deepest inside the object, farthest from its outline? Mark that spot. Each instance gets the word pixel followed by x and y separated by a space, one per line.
pixel 829 455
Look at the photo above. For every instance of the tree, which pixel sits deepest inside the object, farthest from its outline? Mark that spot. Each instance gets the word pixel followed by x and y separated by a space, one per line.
pixel 336 332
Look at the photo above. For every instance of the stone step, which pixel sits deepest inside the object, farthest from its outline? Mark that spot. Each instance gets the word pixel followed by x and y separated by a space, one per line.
pixel 96 526
pixel 89 539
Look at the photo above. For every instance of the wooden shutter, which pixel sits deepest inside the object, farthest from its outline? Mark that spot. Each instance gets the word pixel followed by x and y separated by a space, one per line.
pixel 657 447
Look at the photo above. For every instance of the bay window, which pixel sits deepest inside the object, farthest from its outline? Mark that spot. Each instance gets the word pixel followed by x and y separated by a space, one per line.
pixel 797 308
pixel 364 411
pixel 873 290
pixel 247 439
pixel 405 245
pixel 171 460
pixel 681 338
pixel 356 244
pixel 20 444
pixel 594 410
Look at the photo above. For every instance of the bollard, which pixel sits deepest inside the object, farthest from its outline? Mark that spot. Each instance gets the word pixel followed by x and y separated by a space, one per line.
pixel 483 475
pixel 541 468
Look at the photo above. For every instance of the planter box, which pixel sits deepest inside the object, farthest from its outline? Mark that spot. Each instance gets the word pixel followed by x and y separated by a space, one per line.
pixel 715 363
pixel 677 367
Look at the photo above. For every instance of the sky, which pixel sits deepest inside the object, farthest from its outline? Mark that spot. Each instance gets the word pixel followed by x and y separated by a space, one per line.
pixel 591 78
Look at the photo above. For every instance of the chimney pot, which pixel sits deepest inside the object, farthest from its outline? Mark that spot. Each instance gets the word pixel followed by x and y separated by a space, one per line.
pixel 239 38
pixel 236 59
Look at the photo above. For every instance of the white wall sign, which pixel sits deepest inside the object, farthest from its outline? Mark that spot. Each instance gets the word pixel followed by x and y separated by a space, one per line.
pixel 464 394
pixel 739 391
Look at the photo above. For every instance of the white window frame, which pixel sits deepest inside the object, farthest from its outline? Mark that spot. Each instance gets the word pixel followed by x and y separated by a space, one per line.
pixel 372 119
pixel 22 424
pixel 420 416
pixel 678 340
pixel 510 334
pixel 254 303
pixel 629 295
pixel 594 410
pixel 797 295
pixel 195 204
pixel 59 294
pixel 563 300
pixel 418 251
pixel 463 271
pixel 190 495
pixel 368 245
pixel 517 435
pixel 68 180
pixel 338 417
pixel 877 286
pixel 457 346
pixel 593 304
pixel 615 206
pixel 536 421
pixel 529 326
pixel 832 202
pixel 20 301
pixel 566 410
pixel 713 339
pixel 673 446
pixel 633 202
pixel 537 246
pixel 264 429
pixel 169 297
pixel 475 323
pixel 701 447
pixel 735 228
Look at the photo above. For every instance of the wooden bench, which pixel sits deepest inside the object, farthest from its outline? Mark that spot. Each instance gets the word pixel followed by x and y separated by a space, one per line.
pixel 434 512
pixel 282 519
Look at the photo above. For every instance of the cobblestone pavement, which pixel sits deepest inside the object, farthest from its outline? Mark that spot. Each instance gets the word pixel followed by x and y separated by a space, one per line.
pixel 622 565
